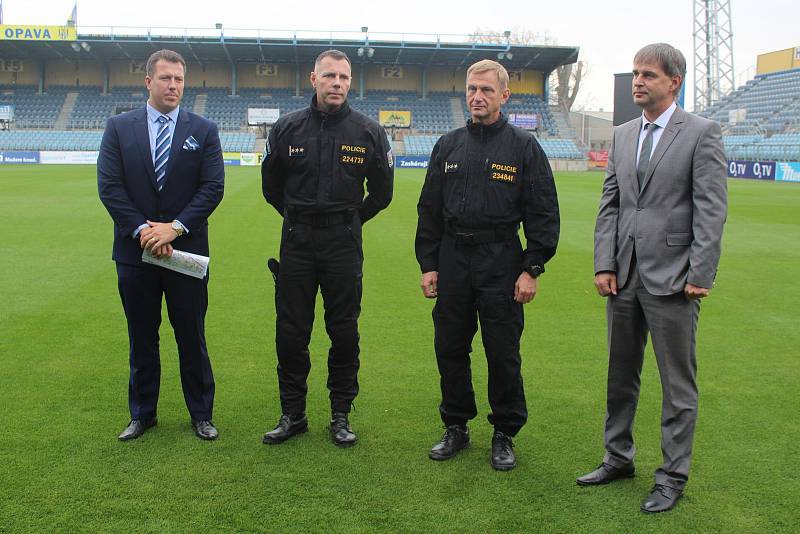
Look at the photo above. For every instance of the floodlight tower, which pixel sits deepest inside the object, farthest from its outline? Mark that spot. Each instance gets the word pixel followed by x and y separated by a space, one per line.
pixel 713 52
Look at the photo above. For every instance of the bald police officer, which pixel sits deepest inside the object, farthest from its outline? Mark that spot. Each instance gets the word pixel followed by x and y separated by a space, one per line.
pixel 482 181
pixel 313 174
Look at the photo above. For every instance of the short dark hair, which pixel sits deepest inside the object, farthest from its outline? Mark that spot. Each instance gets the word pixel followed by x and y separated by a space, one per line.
pixel 669 58
pixel 335 54
pixel 163 55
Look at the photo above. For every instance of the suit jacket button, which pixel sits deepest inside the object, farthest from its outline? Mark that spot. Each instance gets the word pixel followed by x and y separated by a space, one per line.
pixel 630 237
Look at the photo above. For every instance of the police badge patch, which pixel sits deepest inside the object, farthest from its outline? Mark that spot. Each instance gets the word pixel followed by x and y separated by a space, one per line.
pixel 390 158
pixel 352 154
pixel 503 173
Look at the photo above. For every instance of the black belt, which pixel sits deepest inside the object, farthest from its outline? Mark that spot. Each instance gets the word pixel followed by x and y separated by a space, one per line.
pixel 479 236
pixel 321 220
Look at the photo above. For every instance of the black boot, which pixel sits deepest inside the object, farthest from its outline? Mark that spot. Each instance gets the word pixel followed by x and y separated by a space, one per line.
pixel 503 458
pixel 288 426
pixel 341 432
pixel 455 438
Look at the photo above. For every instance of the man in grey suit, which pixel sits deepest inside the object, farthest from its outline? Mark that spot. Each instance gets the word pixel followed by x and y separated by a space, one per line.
pixel 657 247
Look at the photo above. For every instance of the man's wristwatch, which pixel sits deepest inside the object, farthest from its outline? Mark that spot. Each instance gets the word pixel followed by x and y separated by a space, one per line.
pixel 534 270
pixel 178 227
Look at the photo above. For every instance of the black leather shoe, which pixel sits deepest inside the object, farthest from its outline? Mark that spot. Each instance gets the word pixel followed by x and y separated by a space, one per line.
pixel 455 438
pixel 341 432
pixel 503 458
pixel 288 426
pixel 661 499
pixel 136 428
pixel 606 473
pixel 205 430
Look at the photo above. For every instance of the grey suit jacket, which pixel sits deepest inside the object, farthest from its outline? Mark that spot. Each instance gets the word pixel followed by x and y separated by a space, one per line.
pixel 674 224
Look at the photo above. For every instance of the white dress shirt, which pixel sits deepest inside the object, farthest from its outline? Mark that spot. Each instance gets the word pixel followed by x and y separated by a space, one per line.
pixel 661 122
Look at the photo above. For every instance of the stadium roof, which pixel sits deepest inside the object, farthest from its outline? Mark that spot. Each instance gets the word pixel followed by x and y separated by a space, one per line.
pixel 261 46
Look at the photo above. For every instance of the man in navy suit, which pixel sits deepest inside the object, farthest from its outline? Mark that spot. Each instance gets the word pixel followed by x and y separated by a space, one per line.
pixel 160 175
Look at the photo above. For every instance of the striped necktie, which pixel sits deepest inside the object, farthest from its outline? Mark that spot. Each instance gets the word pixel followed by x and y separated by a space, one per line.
pixel 161 155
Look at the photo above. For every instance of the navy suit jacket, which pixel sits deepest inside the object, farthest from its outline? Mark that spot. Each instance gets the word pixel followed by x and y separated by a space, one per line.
pixel 126 180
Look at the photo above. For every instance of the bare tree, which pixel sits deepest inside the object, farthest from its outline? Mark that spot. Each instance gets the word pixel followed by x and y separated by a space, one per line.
pixel 569 81
pixel 516 36
pixel 568 76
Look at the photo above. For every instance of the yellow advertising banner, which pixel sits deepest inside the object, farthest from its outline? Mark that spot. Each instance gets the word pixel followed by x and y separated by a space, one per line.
pixel 395 119
pixel 38 33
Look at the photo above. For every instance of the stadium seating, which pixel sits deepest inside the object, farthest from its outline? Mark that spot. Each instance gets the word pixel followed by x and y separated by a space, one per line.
pixel 740 146
pixel 92 108
pixel 230 112
pixel 761 119
pixel 32 110
pixel 50 140
pixel 559 148
pixel 779 147
pixel 237 141
pixel 432 116
pixel 420 145
pixel 90 140
pixel 527 104
pixel 556 148
pixel 771 103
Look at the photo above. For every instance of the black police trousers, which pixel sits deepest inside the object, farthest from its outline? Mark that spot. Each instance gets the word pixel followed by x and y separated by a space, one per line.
pixel 477 282
pixel 329 258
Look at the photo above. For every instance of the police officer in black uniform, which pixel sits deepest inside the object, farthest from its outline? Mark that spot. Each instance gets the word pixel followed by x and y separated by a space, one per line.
pixel 313 174
pixel 482 181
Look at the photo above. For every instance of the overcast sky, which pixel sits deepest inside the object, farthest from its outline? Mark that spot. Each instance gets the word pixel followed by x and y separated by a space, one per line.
pixel 608 33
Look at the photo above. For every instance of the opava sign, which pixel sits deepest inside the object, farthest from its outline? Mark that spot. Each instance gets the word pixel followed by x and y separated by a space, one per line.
pixel 38 33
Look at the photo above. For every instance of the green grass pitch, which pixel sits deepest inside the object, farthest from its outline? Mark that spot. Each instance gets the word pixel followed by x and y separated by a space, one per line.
pixel 64 371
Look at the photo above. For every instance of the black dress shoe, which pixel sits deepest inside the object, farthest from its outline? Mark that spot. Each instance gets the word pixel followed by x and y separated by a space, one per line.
pixel 455 438
pixel 661 499
pixel 503 458
pixel 288 426
pixel 606 473
pixel 341 432
pixel 136 428
pixel 205 430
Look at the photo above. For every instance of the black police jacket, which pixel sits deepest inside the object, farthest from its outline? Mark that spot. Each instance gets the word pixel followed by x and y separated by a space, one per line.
pixel 483 178
pixel 316 162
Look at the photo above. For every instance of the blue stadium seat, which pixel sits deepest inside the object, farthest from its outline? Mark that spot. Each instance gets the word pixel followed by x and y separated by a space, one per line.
pixel 770 102
pixel 430 116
